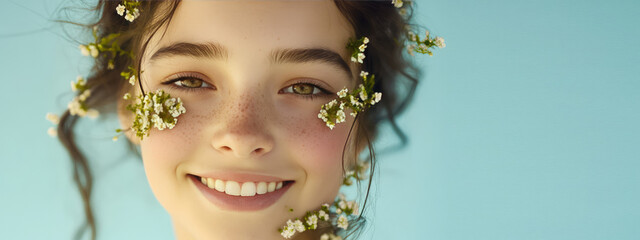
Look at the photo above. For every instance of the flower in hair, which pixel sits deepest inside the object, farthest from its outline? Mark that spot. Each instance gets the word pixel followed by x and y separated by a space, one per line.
pixel 77 106
pixel 128 9
pixel 423 46
pixel 357 100
pixel 357 48
pixel 397 3
pixel 155 109
pixel 55 119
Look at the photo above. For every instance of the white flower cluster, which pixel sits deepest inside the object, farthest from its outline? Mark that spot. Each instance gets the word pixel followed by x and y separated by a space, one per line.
pixel 423 46
pixel 77 105
pixel 310 221
pixel 357 100
pixel 129 10
pixel 359 173
pixel 157 110
pixel 358 53
pixel 89 50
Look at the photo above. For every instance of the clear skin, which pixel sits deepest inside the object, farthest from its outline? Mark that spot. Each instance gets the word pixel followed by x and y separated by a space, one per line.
pixel 245 117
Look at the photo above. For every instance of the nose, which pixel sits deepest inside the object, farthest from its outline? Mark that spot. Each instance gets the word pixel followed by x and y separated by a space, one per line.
pixel 242 130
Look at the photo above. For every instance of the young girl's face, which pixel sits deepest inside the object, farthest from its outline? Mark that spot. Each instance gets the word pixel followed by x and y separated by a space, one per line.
pixel 252 76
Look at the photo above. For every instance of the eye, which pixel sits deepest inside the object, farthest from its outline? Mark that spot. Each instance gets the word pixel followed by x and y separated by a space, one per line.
pixel 306 90
pixel 188 82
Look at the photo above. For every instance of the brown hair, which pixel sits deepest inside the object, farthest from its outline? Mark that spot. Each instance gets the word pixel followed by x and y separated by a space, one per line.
pixel 380 21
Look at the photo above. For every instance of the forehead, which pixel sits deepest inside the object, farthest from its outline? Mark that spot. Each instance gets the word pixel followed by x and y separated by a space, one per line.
pixel 253 28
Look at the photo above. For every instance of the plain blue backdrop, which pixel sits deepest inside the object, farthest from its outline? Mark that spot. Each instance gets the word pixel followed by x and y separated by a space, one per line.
pixel 524 127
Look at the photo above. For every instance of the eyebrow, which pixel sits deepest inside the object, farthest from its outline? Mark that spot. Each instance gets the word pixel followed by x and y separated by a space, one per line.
pixel 288 55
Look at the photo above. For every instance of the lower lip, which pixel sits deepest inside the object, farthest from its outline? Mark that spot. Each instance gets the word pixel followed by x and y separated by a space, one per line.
pixel 239 203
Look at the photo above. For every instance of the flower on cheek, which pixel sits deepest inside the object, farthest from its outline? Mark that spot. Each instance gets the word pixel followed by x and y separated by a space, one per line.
pixel 155 109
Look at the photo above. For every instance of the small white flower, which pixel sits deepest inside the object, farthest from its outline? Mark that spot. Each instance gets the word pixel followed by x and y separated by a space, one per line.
pixel 340 116
pixel 52 132
pixel 439 42
pixel 412 36
pixel 366 40
pixel 53 118
pixel 363 95
pixel 132 80
pixel 129 17
pixel 338 210
pixel 110 66
pixel 324 237
pixel 323 215
pixel 157 107
pixel 312 221
pixel 80 80
pixel 377 97
pixel 362 47
pixel 354 101
pixel 298 226
pixel 84 95
pixel 342 204
pixel 287 232
pixel 343 93
pixel 397 3
pixel 126 96
pixel 114 138
pixel 93 50
pixel 120 9
pixel 353 59
pixel 84 50
pixel 326 205
pixel 136 13
pixel 363 74
pixel 92 113
pixel 343 222
pixel 360 57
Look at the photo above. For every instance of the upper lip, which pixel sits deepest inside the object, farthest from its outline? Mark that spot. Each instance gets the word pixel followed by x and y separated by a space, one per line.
pixel 241 177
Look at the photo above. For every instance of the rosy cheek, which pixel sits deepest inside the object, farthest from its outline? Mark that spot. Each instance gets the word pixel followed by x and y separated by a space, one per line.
pixel 178 143
pixel 318 146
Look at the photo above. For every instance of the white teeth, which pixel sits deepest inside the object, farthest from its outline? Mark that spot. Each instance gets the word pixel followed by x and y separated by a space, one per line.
pixel 261 188
pixel 219 185
pixel 248 189
pixel 210 182
pixel 232 188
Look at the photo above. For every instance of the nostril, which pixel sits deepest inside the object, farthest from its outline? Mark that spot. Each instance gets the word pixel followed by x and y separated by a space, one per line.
pixel 258 151
pixel 225 148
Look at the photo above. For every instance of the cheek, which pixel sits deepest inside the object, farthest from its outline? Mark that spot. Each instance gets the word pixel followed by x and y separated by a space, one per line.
pixel 318 148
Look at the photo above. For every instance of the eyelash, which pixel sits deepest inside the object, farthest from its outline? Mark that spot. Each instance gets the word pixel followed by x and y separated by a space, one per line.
pixel 180 77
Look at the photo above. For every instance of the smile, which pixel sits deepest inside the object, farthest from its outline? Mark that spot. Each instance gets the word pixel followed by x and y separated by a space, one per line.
pixel 240 196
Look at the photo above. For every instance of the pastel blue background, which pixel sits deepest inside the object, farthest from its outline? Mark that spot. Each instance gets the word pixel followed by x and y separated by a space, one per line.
pixel 524 127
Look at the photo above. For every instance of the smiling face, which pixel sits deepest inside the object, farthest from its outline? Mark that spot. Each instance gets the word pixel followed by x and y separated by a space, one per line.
pixel 252 76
